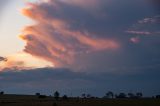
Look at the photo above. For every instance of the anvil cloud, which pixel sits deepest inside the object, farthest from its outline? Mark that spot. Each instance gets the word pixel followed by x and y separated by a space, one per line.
pixel 54 36
pixel 92 34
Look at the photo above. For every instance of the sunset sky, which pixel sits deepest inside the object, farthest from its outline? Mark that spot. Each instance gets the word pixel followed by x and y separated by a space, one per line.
pixel 78 46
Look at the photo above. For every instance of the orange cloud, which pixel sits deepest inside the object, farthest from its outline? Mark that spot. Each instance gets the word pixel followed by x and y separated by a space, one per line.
pixel 53 39
pixel 21 61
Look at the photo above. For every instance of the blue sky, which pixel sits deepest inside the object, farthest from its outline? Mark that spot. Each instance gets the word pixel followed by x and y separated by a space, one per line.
pixel 102 44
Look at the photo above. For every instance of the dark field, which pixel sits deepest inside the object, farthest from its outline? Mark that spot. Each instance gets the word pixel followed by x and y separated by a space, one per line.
pixel 26 100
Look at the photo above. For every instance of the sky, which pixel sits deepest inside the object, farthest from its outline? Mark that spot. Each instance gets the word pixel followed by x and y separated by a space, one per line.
pixel 78 46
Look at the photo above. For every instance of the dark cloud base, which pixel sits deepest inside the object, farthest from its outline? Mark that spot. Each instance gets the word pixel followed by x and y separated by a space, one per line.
pixel 47 80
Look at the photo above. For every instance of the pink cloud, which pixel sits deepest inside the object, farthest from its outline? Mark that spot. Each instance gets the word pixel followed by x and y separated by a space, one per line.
pixel 52 38
pixel 135 40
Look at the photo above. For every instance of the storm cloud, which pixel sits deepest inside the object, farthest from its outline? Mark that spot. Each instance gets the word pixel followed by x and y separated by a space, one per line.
pixel 96 45
pixel 104 35
pixel 55 36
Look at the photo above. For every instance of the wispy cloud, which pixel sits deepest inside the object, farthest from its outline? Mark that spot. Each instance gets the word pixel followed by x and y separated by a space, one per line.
pixel 151 20
pixel 147 26
pixel 135 39
pixel 139 32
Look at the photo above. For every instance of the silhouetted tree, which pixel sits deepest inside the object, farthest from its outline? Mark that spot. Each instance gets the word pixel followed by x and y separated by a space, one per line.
pixel 121 95
pixel 158 96
pixel 1 93
pixel 56 95
pixel 131 95
pixel 109 94
pixel 139 95
pixel 115 95
pixel 65 97
pixel 88 96
pixel 83 95
pixel 37 94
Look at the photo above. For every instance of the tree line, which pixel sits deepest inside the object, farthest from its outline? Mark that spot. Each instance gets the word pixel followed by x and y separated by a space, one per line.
pixel 108 95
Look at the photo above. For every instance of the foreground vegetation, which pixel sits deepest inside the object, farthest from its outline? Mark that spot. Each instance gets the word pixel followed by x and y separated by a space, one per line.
pixel 33 100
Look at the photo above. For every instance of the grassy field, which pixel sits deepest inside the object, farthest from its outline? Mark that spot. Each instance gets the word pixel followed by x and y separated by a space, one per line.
pixel 26 100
